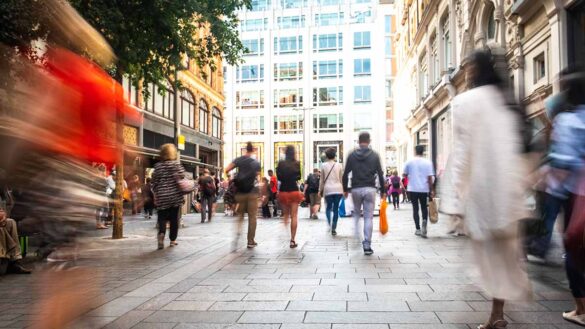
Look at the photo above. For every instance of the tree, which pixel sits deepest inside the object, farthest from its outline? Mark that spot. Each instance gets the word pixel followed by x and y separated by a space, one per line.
pixel 153 38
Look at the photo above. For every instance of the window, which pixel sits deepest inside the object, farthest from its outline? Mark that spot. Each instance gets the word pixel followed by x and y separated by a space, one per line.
pixel 361 40
pixel 362 94
pixel 388 47
pixel 388 88
pixel 361 16
pixel 329 19
pixel 423 76
pixel 446 44
pixel 130 91
pixel 327 42
pixel 259 5
pixel 361 1
pixel 329 2
pixel 203 116
pixel 187 109
pixel 259 24
pixel 250 125
pixel 362 121
pixel 288 97
pixel 290 22
pixel 328 69
pixel 288 124
pixel 286 4
pixel 328 123
pixel 253 99
pixel 361 66
pixel 250 73
pixel 388 24
pixel 288 71
pixel 491 25
pixel 539 67
pixel 288 45
pixel 327 96
pixel 436 69
pixel 254 47
pixel 216 123
pixel 161 101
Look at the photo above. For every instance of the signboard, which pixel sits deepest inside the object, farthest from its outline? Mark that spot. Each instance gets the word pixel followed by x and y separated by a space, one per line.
pixel 181 143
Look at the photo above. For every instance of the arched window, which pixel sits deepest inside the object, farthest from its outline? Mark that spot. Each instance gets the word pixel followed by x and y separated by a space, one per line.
pixel 187 109
pixel 491 25
pixel 203 116
pixel 216 123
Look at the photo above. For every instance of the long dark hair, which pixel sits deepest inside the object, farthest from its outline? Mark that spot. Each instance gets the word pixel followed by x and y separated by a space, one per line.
pixel 485 71
pixel 290 154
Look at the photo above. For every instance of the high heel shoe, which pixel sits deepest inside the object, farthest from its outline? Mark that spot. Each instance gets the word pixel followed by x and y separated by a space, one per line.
pixel 499 324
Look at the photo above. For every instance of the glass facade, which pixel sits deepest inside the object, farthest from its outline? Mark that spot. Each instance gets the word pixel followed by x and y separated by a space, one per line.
pixel 327 42
pixel 329 19
pixel 249 25
pixel 361 66
pixel 328 123
pixel 251 99
pixel 329 69
pixel 362 94
pixel 288 45
pixel 288 71
pixel 288 124
pixel 361 40
pixel 290 22
pixel 328 96
pixel 288 97
pixel 253 125
pixel 250 73
pixel 254 47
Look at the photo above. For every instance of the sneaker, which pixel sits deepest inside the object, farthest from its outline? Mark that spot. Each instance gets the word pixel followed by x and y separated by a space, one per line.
pixel 333 233
pixel 252 244
pixel 314 216
pixel 417 232
pixel 536 259
pixel 368 251
pixel 161 241
pixel 423 232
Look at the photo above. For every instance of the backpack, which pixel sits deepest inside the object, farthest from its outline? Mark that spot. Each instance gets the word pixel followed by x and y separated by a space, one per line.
pixel 209 188
pixel 313 183
pixel 395 182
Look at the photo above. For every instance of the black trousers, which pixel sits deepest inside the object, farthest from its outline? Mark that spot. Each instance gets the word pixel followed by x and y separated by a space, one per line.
pixel 419 199
pixel 396 199
pixel 207 206
pixel 169 215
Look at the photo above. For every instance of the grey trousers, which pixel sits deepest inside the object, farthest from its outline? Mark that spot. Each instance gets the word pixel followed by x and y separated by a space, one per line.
pixel 366 197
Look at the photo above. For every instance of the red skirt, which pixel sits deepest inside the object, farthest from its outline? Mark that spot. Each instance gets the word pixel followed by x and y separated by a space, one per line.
pixel 290 198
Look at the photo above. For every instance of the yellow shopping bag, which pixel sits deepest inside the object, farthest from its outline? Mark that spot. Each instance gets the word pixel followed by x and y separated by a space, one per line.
pixel 383 219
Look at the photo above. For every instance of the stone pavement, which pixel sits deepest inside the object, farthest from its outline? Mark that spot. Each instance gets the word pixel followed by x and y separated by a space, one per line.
pixel 327 282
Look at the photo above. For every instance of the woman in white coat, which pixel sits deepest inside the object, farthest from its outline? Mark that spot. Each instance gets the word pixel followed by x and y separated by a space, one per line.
pixel 483 184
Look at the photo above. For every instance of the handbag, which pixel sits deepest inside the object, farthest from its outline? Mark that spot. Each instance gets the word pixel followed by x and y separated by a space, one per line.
pixel 383 218
pixel 433 211
pixel 186 185
pixel 326 177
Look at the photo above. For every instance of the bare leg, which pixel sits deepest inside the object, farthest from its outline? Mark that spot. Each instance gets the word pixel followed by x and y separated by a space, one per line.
pixel 286 213
pixel 497 311
pixel 294 210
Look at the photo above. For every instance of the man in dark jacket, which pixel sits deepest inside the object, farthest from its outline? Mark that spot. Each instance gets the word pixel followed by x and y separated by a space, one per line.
pixel 364 164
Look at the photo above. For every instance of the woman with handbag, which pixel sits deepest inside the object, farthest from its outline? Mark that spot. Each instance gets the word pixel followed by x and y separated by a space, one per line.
pixel 331 188
pixel 169 185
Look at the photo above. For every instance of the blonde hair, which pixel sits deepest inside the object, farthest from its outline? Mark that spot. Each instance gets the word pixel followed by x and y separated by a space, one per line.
pixel 168 152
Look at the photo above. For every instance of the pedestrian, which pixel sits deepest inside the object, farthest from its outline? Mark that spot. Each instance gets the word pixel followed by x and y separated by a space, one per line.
pixel 395 189
pixel 10 253
pixel 482 118
pixel 229 197
pixel 420 174
pixel 273 192
pixel 312 186
pixel 101 185
pixel 265 205
pixel 208 193
pixel 405 196
pixel 331 187
pixel 566 180
pixel 217 192
pixel 148 198
pixel 364 166
pixel 168 197
pixel 288 172
pixel 135 187
pixel 247 194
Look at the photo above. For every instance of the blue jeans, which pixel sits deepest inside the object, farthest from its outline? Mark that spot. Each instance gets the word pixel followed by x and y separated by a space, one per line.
pixel 365 196
pixel 332 202
pixel 552 207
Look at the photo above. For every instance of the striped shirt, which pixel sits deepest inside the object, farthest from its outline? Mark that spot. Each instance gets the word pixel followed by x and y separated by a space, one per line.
pixel 165 186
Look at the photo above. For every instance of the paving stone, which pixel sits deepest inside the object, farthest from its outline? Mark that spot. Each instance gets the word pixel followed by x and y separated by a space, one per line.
pixel 305 326
pixel 119 306
pixel 272 317
pixel 250 306
pixel 223 297
pixel 536 317
pixel 453 295
pixel 347 296
pixel 194 316
pixel 285 282
pixel 429 326
pixel 463 317
pixel 371 317
pixel 330 305
pixel 510 306
pixel 167 325
pixel 188 305
pixel 378 306
pixel 360 326
pixel 149 290
pixel 321 289
pixel 437 306
pixel 158 302
pixel 392 296
pixel 128 320
pixel 259 288
pixel 225 326
pixel 279 296
pixel 390 288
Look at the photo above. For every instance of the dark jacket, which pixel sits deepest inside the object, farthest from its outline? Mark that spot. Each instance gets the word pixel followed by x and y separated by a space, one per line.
pixel 363 164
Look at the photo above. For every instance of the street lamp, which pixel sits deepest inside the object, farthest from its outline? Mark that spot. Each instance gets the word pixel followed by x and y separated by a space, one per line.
pixel 305 131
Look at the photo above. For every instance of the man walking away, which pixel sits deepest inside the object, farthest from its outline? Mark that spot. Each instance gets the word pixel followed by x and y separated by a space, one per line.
pixel 420 174
pixel 364 164
pixel 247 191
pixel 312 184
pixel 208 190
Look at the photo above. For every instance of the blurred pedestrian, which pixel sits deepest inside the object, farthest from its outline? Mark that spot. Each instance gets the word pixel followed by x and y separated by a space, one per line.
pixel 246 184
pixel 10 253
pixel 420 174
pixel 331 187
pixel 312 186
pixel 102 211
pixel 364 166
pixel 229 197
pixel 148 198
pixel 395 189
pixel 273 192
pixel 208 193
pixel 288 172
pixel 482 118
pixel 405 196
pixel 168 197
pixel 135 187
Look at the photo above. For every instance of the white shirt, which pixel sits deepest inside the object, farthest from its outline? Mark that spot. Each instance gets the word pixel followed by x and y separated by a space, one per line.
pixel 418 171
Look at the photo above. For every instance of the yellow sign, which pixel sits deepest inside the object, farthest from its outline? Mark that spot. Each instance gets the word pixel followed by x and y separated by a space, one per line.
pixel 181 143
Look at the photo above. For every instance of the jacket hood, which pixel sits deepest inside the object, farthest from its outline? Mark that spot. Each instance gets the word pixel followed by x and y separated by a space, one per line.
pixel 363 152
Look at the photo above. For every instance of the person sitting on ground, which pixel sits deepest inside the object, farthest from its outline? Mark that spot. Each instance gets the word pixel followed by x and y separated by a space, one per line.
pixel 10 254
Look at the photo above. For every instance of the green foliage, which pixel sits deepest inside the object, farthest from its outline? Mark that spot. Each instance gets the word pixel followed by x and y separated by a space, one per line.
pixel 152 37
